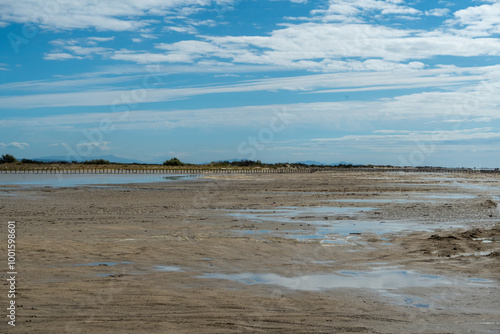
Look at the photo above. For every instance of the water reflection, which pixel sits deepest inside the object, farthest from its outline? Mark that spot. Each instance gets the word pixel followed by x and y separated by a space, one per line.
pixel 168 269
pixel 71 180
pixel 298 214
pixel 412 198
pixel 377 279
pixel 326 224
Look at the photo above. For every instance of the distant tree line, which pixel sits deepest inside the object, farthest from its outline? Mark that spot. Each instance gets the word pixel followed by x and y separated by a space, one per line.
pixel 96 162
pixel 7 159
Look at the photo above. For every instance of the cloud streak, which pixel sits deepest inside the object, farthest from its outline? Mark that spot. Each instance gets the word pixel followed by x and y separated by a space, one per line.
pixel 18 145
pixel 432 78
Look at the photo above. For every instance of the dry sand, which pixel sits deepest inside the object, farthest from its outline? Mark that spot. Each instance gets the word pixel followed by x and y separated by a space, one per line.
pixel 199 227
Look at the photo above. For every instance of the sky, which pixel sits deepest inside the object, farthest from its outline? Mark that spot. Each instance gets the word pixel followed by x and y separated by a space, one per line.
pixel 405 83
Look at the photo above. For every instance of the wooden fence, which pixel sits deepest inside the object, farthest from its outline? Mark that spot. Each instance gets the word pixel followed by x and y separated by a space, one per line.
pixel 240 171
pixel 154 171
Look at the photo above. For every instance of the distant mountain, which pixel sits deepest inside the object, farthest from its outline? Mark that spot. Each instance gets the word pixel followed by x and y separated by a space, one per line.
pixel 52 158
pixel 110 158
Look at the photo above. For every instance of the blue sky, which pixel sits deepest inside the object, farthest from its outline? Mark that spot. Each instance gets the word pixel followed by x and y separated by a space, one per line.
pixel 363 81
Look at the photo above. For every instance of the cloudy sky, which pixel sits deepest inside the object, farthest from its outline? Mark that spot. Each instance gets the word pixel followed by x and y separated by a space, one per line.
pixel 362 81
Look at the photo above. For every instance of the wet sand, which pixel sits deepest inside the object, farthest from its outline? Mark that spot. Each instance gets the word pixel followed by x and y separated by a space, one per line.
pixel 275 253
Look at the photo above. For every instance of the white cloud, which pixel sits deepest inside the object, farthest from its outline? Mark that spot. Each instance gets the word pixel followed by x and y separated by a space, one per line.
pixel 96 40
pixel 478 21
pixel 325 46
pixel 436 109
pixel 352 45
pixel 66 84
pixel 209 23
pixel 438 12
pixel 435 136
pixel 3 24
pixel 149 58
pixel 88 146
pixel 60 56
pixel 78 48
pixel 180 29
pixel 101 39
pixel 110 15
pixel 111 76
pixel 18 145
pixel 149 36
pixel 86 51
pixel 354 10
pixel 432 78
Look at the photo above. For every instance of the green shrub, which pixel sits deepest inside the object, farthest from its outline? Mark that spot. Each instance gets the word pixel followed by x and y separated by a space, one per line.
pixel 97 162
pixel 7 158
pixel 174 162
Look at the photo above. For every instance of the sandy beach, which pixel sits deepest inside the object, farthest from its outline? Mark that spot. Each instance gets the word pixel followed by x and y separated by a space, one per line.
pixel 271 253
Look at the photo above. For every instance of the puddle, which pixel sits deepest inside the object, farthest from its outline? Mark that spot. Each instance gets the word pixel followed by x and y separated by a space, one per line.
pixel 452 196
pixel 346 232
pixel 409 300
pixel 334 241
pixel 413 198
pixel 386 281
pixel 324 262
pixel 379 279
pixel 330 225
pixel 485 240
pixel 346 227
pixel 464 185
pixel 480 280
pixel 473 254
pixel 374 200
pixel 72 180
pixel 169 269
pixel 7 194
pixel 473 186
pixel 298 214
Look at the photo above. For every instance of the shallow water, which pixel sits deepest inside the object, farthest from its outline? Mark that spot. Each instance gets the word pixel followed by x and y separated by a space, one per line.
pixel 466 185
pixel 326 229
pixel 412 198
pixel 71 180
pixel 169 269
pixel 297 214
pixel 2 193
pixel 378 279
pixel 348 228
pixel 387 281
